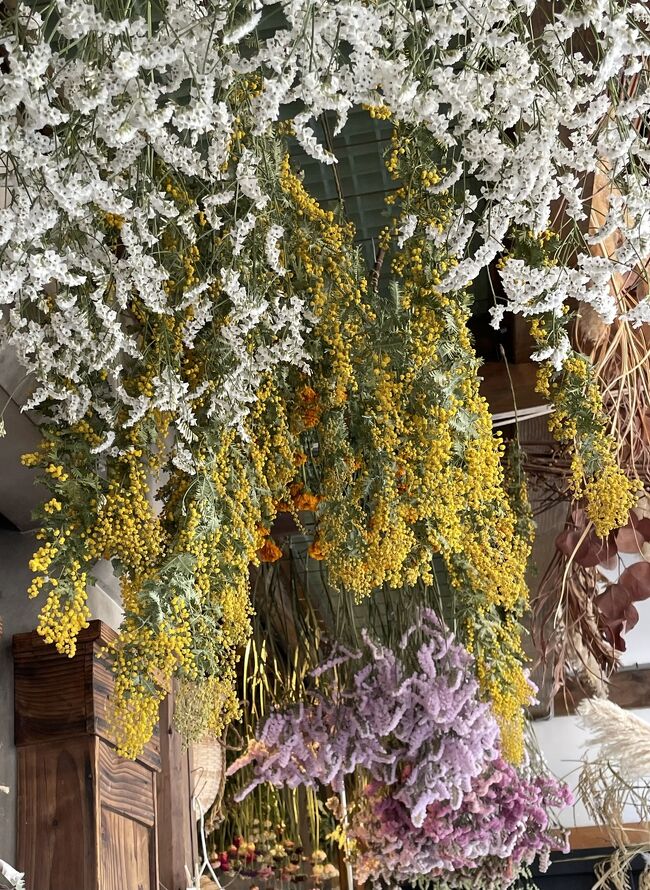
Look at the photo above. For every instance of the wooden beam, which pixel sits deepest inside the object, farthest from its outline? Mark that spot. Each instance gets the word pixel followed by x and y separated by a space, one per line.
pixel 627 689
pixel 592 837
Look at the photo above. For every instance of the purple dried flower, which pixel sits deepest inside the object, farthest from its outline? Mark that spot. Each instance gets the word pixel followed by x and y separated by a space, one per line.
pixel 501 824
pixel 424 729
pixel 440 801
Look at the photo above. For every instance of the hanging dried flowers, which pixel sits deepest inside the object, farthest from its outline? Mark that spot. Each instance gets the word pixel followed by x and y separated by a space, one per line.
pixel 436 800
pixel 195 324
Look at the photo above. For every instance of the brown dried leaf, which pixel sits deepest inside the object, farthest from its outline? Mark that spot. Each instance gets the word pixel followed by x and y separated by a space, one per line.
pixel 629 540
pixel 636 579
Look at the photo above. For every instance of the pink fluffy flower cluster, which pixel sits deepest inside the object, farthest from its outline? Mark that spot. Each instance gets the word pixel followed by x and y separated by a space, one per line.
pixel 501 825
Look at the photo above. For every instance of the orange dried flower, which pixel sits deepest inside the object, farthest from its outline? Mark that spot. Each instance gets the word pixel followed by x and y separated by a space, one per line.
pixel 316 550
pixel 270 552
pixel 306 501
pixel 310 408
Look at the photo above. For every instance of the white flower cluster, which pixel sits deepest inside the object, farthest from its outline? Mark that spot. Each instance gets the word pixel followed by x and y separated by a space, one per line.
pixel 518 93
pixel 289 321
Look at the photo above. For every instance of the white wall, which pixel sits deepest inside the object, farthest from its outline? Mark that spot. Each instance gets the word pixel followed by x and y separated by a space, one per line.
pixel 563 742
pixel 19 615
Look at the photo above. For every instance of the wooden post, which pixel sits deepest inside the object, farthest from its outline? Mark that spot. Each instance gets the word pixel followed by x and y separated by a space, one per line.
pixel 87 819
pixel 177 834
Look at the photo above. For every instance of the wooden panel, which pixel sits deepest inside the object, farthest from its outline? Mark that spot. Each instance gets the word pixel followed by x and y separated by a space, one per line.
pixel 125 786
pixel 60 697
pixel 50 697
pixel 523 344
pixel 53 693
pixel 589 837
pixel 57 816
pixel 627 689
pixel 177 835
pixel 128 854
pixel 86 817
pixel 102 691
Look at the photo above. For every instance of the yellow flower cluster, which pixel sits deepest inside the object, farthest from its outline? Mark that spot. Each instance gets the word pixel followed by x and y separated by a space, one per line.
pixel 65 612
pixel 387 548
pixel 332 279
pixel 42 559
pixel 84 430
pixel 214 516
pixel 610 496
pixel 114 221
pixel 407 463
pixel 58 564
pixel 408 481
pixel 273 444
pixel 57 472
pixel 126 527
pixel 379 112
pixel 501 678
pixel 579 420
pixel 155 655
pixel 206 706
pixel 423 473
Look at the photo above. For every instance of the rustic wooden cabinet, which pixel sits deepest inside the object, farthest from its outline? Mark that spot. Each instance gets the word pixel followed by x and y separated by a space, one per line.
pixel 87 819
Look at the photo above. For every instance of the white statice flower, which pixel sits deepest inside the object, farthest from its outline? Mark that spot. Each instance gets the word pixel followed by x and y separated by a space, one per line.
pixel 11 282
pixel 571 192
pixel 78 19
pixel 143 273
pixel 105 444
pixel 182 458
pixel 219 138
pixel 493 231
pixel 197 117
pixel 640 314
pixel 308 141
pixel 137 405
pixel 599 288
pixel 200 300
pixel 171 395
pixel 533 291
pixel 241 230
pixel 406 229
pixel 447 181
pixel 272 250
pixel 248 181
pixel 244 28
pixel 49 267
pixel 555 355
pixel 283 325
pixel 185 221
pixel 523 116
